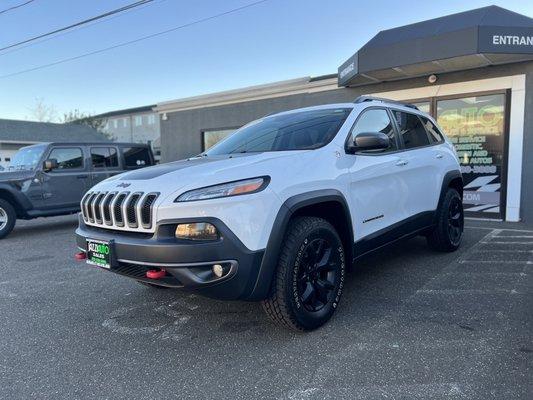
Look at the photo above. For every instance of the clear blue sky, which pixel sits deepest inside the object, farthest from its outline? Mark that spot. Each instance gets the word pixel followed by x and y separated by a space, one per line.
pixel 276 40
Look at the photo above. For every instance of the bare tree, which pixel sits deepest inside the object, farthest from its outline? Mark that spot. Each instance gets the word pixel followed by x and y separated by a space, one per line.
pixel 42 112
pixel 79 117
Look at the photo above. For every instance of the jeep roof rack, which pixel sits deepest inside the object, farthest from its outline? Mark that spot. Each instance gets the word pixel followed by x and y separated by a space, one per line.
pixel 362 99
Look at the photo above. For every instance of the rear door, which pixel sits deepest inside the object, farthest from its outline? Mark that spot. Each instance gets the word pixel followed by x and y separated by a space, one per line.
pixel 64 186
pixel 104 162
pixel 420 165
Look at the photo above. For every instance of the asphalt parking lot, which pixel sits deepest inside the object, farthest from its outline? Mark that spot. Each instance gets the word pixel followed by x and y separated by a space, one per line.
pixel 412 324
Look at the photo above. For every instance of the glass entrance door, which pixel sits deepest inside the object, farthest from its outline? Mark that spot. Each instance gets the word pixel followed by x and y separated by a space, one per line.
pixel 477 126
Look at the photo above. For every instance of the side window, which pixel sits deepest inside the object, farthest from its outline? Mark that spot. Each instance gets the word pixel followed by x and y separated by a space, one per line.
pixel 104 157
pixel 434 134
pixel 67 157
pixel 136 157
pixel 412 131
pixel 376 120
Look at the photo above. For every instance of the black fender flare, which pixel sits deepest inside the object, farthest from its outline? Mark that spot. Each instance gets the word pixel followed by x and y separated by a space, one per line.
pixel 287 210
pixel 22 203
pixel 448 177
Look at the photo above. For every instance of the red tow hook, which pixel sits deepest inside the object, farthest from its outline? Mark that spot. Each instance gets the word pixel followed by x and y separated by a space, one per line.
pixel 80 256
pixel 156 273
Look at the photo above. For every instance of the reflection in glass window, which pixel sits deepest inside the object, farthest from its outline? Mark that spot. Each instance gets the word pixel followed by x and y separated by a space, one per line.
pixel 476 126
pixel 423 106
pixel 434 134
pixel 376 120
pixel 136 157
pixel 298 130
pixel 104 157
pixel 211 138
pixel 411 129
pixel 68 157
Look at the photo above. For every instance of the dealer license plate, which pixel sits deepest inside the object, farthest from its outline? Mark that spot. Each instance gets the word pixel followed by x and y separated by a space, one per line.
pixel 99 253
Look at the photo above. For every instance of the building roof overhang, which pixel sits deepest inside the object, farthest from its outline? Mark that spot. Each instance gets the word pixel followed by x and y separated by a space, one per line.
pixel 477 38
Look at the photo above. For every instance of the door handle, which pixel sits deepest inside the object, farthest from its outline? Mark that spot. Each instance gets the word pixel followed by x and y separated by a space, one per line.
pixel 82 176
pixel 439 155
pixel 401 163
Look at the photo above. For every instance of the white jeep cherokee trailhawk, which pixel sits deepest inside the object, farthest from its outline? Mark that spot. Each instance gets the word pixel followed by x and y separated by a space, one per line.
pixel 277 211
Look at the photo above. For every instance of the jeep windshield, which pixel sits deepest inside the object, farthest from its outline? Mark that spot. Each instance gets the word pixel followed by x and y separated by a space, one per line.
pixel 26 158
pixel 302 130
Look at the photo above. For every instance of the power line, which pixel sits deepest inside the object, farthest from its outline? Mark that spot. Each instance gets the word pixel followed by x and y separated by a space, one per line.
pixel 199 21
pixel 18 48
pixel 17 6
pixel 85 21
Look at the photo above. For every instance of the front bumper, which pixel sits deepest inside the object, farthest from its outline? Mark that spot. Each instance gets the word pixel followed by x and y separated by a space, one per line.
pixel 188 264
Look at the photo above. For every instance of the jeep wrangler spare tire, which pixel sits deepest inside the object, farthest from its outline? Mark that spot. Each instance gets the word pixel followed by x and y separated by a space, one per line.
pixel 8 216
pixel 309 280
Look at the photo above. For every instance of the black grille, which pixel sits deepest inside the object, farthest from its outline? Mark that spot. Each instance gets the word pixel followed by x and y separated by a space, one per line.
pixel 146 210
pixel 97 210
pixel 84 202
pixel 131 209
pixel 117 209
pixel 90 199
pixel 107 208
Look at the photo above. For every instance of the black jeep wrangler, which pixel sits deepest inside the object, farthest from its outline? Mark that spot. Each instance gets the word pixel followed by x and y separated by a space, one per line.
pixel 50 179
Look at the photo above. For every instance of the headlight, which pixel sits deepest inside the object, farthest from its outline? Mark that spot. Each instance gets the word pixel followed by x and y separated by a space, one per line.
pixel 197 231
pixel 236 188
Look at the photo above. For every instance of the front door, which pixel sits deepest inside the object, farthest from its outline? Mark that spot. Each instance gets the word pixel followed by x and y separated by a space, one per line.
pixel 379 195
pixel 65 185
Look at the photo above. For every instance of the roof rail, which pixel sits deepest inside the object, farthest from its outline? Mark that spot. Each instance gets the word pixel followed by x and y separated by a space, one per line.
pixel 362 99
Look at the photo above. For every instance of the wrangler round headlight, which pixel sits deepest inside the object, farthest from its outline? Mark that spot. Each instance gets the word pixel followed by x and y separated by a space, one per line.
pixel 197 231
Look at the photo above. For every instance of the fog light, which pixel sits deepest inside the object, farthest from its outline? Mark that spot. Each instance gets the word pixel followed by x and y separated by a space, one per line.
pixel 197 231
pixel 218 270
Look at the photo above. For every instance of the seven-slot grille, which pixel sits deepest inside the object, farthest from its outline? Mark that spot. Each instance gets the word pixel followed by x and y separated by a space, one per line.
pixel 119 209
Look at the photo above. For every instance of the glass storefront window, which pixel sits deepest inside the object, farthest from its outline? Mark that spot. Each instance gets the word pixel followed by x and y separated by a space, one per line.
pixel 210 138
pixel 476 125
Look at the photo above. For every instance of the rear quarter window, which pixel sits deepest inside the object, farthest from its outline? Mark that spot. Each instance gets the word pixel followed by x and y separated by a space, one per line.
pixel 136 157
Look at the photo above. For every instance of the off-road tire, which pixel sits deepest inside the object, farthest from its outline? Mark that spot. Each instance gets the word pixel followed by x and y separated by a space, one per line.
pixel 284 305
pixel 7 210
pixel 448 231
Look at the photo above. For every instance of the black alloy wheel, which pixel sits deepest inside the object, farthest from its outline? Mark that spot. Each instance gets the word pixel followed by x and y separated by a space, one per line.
pixel 317 274
pixel 455 221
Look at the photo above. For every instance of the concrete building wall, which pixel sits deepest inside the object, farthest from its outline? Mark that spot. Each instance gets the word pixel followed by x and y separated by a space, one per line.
pixel 181 132
pixel 527 158
pixel 138 127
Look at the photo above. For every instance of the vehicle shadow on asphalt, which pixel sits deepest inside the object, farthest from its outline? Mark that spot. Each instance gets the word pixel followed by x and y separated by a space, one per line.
pixel 374 288
pixel 28 229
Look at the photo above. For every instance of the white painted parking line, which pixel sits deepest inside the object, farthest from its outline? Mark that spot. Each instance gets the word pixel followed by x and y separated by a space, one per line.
pixel 494 262
pixel 468 291
pixel 500 242
pixel 516 236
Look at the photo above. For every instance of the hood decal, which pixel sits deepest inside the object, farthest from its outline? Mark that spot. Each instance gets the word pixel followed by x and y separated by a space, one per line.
pixel 159 170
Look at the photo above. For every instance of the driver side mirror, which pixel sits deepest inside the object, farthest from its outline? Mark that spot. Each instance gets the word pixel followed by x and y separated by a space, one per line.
pixel 369 141
pixel 50 164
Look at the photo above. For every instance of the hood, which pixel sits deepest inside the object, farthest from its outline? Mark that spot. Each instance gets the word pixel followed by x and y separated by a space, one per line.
pixel 197 172
pixel 10 176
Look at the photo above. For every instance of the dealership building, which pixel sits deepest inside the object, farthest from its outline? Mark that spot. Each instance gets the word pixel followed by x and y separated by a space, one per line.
pixel 472 71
